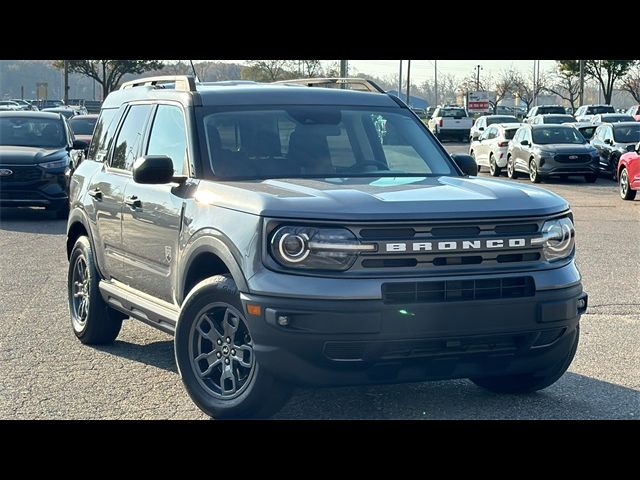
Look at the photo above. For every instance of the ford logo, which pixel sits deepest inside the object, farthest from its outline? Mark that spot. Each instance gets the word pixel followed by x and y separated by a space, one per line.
pixel 5 172
pixel 573 157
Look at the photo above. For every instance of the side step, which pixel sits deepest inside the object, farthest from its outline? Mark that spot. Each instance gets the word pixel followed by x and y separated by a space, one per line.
pixel 160 315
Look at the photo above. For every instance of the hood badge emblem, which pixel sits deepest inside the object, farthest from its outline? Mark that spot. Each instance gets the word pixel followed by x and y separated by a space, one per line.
pixel 573 157
pixel 5 172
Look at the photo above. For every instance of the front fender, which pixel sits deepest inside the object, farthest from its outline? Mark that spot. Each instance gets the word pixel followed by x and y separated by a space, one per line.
pixel 211 241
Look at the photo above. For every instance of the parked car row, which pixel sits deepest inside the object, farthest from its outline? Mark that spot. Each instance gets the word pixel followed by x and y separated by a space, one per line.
pixel 541 150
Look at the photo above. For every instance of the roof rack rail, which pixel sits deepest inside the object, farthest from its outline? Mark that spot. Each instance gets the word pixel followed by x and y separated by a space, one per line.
pixel 363 83
pixel 184 83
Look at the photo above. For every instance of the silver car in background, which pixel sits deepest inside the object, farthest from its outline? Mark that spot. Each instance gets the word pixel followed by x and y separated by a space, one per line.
pixel 490 148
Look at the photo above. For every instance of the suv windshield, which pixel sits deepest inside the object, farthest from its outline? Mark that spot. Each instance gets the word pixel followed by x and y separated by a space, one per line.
pixel 627 134
pixel 551 135
pixel 600 109
pixel 32 132
pixel 321 141
pixel 543 110
pixel 505 119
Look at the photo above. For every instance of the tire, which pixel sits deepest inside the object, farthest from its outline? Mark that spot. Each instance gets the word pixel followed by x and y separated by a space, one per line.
pixel 92 320
pixel 530 382
pixel 494 169
pixel 511 168
pixel 625 189
pixel 591 178
pixel 227 384
pixel 534 176
pixel 473 155
pixel 613 168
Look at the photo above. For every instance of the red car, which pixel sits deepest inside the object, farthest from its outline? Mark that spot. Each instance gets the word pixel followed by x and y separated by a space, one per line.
pixel 629 174
pixel 634 112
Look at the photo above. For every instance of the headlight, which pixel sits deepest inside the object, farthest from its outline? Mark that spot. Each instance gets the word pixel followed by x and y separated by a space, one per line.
pixel 56 164
pixel 313 248
pixel 546 153
pixel 558 238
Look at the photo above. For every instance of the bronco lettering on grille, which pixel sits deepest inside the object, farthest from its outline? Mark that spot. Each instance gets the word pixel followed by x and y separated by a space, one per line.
pixel 457 245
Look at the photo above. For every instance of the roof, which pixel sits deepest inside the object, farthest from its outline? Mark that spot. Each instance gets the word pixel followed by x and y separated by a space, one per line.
pixel 80 117
pixel 29 113
pixel 508 125
pixel 620 124
pixel 549 125
pixel 240 93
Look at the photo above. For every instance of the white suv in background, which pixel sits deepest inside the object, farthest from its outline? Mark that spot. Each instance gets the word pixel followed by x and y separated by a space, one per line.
pixel 484 121
pixel 490 149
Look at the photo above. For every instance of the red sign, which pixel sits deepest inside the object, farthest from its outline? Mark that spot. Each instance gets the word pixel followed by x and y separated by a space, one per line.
pixel 479 105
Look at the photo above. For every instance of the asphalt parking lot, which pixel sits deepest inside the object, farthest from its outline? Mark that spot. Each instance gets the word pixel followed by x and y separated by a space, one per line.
pixel 46 373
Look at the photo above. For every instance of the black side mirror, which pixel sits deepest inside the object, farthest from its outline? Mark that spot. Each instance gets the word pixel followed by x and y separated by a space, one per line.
pixel 466 163
pixel 608 141
pixel 638 148
pixel 481 128
pixel 79 145
pixel 153 169
pixel 524 142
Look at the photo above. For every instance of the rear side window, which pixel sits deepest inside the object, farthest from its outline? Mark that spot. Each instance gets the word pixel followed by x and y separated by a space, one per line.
pixel 130 137
pixel 103 134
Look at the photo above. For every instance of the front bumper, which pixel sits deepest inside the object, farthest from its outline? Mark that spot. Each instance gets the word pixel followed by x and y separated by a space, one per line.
pixel 346 342
pixel 51 190
pixel 550 168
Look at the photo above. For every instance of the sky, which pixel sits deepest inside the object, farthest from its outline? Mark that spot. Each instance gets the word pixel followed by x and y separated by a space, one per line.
pixel 422 70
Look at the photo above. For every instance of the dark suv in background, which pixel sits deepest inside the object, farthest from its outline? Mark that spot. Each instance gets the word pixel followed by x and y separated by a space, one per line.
pixel 302 235
pixel 38 153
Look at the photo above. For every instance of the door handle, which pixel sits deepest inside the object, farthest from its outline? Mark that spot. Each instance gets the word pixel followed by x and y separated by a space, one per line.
pixel 95 193
pixel 133 201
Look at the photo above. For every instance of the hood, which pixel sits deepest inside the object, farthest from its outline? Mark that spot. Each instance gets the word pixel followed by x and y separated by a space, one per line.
pixel 10 155
pixel 384 199
pixel 567 148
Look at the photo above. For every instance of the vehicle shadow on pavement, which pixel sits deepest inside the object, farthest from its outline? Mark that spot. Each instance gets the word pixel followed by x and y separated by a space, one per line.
pixel 156 354
pixel 31 220
pixel 574 396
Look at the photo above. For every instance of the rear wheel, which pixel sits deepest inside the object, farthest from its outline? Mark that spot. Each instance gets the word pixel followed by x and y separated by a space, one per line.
pixel 473 155
pixel 494 169
pixel 613 168
pixel 511 168
pixel 93 321
pixel 626 193
pixel 215 355
pixel 530 382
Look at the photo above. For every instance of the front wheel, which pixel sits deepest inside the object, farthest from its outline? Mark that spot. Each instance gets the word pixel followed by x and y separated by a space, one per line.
pixel 530 382
pixel 511 168
pixel 534 176
pixel 216 358
pixel 626 193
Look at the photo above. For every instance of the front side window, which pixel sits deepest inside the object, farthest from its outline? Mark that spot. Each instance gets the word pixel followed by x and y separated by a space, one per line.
pixel 130 137
pixel 168 136
pixel 103 134
pixel 33 132
pixel 320 141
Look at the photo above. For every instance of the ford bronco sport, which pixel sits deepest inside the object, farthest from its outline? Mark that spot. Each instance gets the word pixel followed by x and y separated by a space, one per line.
pixel 289 234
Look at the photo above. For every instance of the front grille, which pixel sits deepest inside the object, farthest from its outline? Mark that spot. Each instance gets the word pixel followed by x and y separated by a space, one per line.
pixel 457 290
pixel 581 158
pixel 470 252
pixel 21 174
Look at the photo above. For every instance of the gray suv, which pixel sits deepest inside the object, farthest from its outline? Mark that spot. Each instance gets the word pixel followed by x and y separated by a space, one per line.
pixel 291 234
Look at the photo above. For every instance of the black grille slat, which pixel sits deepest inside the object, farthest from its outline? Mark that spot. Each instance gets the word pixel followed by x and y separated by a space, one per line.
pixel 581 158
pixel 457 290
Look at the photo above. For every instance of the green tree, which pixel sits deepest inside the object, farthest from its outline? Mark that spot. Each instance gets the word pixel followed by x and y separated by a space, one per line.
pixel 108 73
pixel 605 72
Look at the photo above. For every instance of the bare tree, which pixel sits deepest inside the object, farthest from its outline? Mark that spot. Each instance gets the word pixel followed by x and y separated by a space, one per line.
pixel 566 85
pixel 631 83
pixel 268 70
pixel 526 89
pixel 605 72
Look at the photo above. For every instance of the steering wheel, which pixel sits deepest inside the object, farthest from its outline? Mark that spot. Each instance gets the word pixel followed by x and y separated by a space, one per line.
pixel 358 166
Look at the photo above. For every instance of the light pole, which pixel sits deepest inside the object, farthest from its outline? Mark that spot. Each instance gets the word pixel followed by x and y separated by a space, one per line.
pixel 477 68
pixel 581 82
pixel 408 82
pixel 435 76
pixel 400 82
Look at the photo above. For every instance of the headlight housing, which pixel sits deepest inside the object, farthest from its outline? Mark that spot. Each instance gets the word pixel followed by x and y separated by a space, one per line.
pixel 546 154
pixel 315 248
pixel 558 239
pixel 55 164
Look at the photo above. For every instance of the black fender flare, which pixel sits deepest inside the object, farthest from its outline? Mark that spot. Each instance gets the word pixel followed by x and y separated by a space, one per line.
pixel 210 241
pixel 78 215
